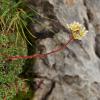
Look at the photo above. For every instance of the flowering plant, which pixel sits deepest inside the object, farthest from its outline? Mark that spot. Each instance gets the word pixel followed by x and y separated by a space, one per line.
pixel 78 32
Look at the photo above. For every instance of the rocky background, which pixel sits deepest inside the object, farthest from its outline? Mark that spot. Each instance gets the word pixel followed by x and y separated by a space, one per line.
pixel 74 73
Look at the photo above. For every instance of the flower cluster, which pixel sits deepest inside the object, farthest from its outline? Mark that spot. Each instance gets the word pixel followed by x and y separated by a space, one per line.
pixel 77 29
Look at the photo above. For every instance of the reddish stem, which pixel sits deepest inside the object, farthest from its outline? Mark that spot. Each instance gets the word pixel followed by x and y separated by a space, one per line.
pixel 4 98
pixel 41 55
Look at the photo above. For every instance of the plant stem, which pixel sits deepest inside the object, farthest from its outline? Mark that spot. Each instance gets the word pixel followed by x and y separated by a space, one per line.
pixel 41 55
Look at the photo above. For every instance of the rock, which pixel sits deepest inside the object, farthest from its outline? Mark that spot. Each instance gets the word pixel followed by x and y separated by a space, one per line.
pixel 76 69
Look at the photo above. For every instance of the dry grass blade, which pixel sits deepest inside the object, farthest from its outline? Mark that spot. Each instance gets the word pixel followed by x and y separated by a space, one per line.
pixel 37 13
pixel 23 33
pixel 28 29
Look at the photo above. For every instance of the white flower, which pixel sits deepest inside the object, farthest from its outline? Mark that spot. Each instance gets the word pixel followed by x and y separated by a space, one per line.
pixel 78 30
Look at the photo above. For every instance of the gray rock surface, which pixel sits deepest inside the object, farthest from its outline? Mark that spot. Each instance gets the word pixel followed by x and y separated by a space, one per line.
pixel 73 73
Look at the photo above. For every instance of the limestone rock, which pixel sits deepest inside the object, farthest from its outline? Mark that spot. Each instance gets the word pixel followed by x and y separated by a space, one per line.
pixel 73 73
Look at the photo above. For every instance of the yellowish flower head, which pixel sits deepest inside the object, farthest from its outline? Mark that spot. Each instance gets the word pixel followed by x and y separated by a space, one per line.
pixel 78 30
